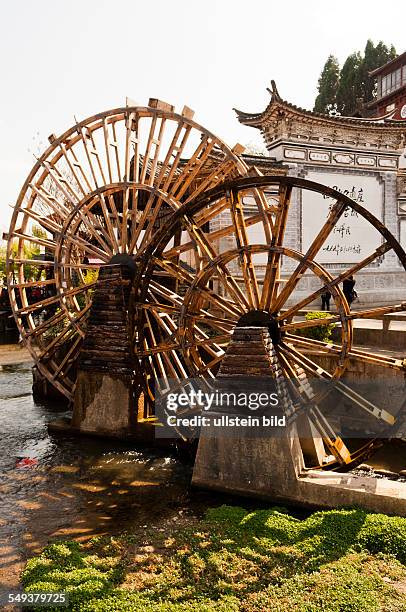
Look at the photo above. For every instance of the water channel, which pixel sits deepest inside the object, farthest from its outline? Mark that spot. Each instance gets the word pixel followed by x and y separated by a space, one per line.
pixel 75 487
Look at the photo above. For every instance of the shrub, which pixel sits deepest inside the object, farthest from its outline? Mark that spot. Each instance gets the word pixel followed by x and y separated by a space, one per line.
pixel 322 332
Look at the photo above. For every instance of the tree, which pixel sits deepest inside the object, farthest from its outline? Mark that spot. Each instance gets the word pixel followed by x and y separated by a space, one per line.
pixel 328 86
pixel 30 250
pixel 350 87
pixel 342 91
pixel 374 57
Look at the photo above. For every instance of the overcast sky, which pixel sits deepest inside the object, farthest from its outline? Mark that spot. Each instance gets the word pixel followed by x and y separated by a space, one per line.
pixel 61 58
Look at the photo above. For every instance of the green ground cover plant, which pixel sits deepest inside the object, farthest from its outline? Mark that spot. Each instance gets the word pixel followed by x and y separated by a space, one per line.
pixel 344 560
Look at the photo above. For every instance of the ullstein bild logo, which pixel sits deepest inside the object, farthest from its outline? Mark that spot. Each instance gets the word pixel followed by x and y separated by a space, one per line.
pixel 226 420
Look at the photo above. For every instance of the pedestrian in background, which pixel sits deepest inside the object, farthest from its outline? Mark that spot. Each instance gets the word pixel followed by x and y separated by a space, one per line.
pixel 325 300
pixel 348 289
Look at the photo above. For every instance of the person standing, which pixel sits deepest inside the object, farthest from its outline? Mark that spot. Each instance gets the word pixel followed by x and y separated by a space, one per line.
pixel 325 300
pixel 348 289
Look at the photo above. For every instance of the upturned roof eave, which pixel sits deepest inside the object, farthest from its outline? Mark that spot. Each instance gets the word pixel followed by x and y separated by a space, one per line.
pixel 277 103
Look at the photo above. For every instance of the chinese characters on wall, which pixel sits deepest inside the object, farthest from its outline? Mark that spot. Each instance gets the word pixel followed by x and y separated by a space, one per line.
pixel 352 238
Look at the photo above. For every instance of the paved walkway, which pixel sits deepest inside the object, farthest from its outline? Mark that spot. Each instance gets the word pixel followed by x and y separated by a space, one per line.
pixel 12 353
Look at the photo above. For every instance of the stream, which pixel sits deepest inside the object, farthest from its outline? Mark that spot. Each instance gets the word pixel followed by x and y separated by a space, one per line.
pixel 75 487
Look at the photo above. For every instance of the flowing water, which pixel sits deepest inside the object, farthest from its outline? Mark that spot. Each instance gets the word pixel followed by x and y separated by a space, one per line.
pixel 74 486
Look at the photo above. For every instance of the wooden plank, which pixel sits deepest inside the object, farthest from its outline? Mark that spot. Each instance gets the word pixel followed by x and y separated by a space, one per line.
pixel 160 105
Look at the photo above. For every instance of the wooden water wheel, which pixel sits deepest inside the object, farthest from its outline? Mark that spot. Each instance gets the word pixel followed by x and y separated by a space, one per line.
pixel 183 332
pixel 102 188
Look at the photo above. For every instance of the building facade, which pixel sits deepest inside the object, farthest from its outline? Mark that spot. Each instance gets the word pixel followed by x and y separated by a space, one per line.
pixel 390 89
pixel 365 159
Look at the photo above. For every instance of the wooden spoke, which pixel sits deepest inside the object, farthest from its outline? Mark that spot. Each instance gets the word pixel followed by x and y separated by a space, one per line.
pixel 272 273
pixel 52 300
pixel 309 408
pixel 59 209
pixel 164 348
pixel 72 164
pixel 90 151
pixel 241 236
pixel 61 183
pixel 78 266
pixel 335 213
pixel 225 277
pixel 35 240
pixel 148 220
pixel 170 356
pixel 221 172
pixel 223 303
pixel 66 333
pixel 311 323
pixel 202 316
pixel 109 145
pixel 88 248
pixel 371 313
pixel 68 360
pixel 379 252
pixel 35 283
pixel 110 230
pixel 95 228
pixel 212 236
pixel 357 354
pixel 44 222
pixel 194 164
pixel 174 155
pixel 46 325
pixel 319 372
pixel 208 368
pixel 163 292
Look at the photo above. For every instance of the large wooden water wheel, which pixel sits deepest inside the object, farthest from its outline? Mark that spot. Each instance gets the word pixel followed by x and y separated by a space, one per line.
pixel 209 249
pixel 102 188
pixel 184 332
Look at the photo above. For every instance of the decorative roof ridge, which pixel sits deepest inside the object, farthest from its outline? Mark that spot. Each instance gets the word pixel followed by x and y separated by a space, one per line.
pixel 274 92
pixel 255 119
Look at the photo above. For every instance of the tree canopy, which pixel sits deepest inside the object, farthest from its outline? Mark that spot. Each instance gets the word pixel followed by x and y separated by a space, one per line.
pixel 326 101
pixel 30 250
pixel 342 91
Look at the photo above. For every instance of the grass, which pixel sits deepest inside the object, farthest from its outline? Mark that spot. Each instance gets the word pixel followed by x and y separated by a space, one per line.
pixel 265 560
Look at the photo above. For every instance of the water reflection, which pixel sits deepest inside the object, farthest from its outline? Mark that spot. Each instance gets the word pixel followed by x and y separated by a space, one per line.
pixel 79 487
